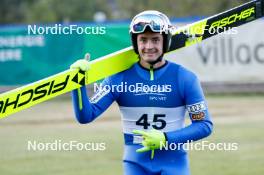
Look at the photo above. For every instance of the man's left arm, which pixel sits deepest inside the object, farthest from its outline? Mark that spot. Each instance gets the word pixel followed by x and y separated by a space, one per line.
pixel 197 108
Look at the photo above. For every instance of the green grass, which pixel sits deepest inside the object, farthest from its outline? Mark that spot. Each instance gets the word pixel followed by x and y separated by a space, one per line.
pixel 248 159
pixel 16 159
pixel 237 119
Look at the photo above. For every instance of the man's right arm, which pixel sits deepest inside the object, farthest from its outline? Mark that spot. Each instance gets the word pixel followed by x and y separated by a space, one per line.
pixel 87 110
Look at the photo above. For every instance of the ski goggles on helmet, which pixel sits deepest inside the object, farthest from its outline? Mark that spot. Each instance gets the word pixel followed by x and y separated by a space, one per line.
pixel 155 22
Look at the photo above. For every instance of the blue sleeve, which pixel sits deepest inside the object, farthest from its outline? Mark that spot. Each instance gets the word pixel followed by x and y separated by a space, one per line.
pixel 87 110
pixel 194 100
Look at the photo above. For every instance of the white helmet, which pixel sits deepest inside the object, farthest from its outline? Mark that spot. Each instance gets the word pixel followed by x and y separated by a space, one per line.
pixel 156 22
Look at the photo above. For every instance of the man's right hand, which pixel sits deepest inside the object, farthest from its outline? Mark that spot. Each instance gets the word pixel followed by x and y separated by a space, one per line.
pixel 82 64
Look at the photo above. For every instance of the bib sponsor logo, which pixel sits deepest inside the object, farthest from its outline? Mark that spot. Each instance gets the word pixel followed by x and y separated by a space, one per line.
pixel 197 107
pixel 198 116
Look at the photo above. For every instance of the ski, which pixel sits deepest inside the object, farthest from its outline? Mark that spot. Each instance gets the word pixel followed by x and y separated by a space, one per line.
pixel 61 83
pixel 216 24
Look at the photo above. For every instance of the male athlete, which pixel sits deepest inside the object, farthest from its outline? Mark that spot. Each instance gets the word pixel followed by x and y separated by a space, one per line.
pixel 153 103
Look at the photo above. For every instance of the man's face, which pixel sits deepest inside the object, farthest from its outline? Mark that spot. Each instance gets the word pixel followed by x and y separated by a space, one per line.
pixel 150 46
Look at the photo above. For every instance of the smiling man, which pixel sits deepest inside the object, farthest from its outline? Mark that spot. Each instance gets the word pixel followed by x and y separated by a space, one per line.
pixel 150 47
pixel 152 114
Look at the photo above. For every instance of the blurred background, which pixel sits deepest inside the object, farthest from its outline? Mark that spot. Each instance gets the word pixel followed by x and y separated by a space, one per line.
pixel 44 11
pixel 230 67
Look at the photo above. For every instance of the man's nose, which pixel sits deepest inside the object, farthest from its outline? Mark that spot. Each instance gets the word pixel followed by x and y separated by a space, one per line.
pixel 149 45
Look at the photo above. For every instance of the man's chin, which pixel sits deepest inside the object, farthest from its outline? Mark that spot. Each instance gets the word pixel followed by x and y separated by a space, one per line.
pixel 150 59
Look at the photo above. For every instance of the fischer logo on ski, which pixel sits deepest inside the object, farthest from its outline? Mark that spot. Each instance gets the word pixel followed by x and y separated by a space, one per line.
pixel 30 95
pixel 245 14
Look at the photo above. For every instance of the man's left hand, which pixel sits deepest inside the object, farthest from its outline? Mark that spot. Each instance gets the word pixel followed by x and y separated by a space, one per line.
pixel 152 139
